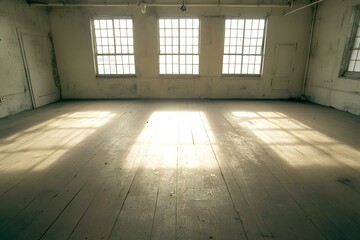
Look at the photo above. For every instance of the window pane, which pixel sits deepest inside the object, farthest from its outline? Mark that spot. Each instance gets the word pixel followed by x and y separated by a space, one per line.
pixel 106 59
pixel 109 24
pixel 354 55
pixel 182 59
pixel 251 69
pixel 162 68
pixel 119 60
pixel 232 58
pixel 101 69
pixel 196 69
pixel 234 24
pixel 244 69
pixel 351 66
pixel 255 24
pixel 132 69
pixel 243 43
pixel 238 69
pixel 357 66
pixel 262 24
pixel 189 69
pixel 182 69
pixel 96 24
pixel 120 70
pixel 100 60
pixel 179 36
pixel 169 69
pixel 175 23
pixel 126 69
pixel 196 59
pixel 131 49
pixel 227 33
pixel 102 23
pixel 231 68
pixel 131 59
pixel 257 69
pixel 238 59
pixel 168 49
pixel 125 60
pixel 103 33
pixel 129 24
pixel 116 23
pixel 225 68
pixel 161 23
pixel 114 45
pixel 112 69
pixel 107 69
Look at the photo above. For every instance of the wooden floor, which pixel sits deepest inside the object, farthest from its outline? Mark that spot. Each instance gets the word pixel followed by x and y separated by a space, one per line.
pixel 180 170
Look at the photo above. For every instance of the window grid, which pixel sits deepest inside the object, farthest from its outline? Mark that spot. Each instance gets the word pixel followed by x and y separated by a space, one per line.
pixel 243 46
pixel 114 46
pixel 179 46
pixel 354 62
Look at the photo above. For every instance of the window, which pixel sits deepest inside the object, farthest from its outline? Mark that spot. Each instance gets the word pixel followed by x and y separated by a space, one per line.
pixel 179 46
pixel 243 46
pixel 351 59
pixel 114 46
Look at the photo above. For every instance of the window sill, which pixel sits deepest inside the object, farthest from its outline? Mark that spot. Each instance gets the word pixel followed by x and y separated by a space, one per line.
pixel 179 76
pixel 242 76
pixel 116 76
pixel 351 75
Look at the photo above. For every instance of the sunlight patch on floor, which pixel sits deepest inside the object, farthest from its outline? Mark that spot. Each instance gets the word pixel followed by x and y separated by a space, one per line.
pixel 170 133
pixel 42 145
pixel 297 143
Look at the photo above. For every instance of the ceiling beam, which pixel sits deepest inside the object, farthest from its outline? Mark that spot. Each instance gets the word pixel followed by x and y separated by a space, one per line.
pixel 239 5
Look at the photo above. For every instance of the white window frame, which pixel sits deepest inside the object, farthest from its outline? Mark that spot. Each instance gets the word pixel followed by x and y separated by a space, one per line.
pixel 116 54
pixel 240 46
pixel 354 30
pixel 179 54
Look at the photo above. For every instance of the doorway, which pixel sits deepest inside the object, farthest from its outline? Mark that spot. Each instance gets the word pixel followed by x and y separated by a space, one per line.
pixel 38 62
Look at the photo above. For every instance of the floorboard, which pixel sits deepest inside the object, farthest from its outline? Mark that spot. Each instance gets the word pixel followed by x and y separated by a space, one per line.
pixel 147 169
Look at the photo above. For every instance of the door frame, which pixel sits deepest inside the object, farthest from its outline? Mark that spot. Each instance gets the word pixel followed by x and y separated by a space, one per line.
pixel 21 33
pixel 294 45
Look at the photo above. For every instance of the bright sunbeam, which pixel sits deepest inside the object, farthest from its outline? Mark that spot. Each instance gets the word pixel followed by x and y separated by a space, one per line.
pixel 297 143
pixel 174 139
pixel 41 146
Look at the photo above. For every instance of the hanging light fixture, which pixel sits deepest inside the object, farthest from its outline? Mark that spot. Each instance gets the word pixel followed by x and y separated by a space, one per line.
pixel 183 7
pixel 143 7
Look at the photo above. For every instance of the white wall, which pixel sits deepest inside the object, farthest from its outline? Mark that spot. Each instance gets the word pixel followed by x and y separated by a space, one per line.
pixel 16 14
pixel 71 31
pixel 324 86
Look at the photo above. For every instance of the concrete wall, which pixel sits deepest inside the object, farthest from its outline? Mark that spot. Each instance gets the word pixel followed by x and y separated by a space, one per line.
pixel 72 39
pixel 324 86
pixel 16 14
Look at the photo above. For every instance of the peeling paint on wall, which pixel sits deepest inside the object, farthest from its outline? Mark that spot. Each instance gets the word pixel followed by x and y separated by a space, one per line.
pixel 16 14
pixel 324 86
pixel 76 65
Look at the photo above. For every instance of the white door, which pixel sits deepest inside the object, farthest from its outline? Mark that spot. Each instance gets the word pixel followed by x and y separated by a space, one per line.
pixel 37 56
pixel 283 68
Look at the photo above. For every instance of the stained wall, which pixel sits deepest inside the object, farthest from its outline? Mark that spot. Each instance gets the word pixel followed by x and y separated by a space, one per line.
pixel 74 51
pixel 324 84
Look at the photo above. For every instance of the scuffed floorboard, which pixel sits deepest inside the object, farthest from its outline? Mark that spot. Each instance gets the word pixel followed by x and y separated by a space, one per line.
pixel 147 169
